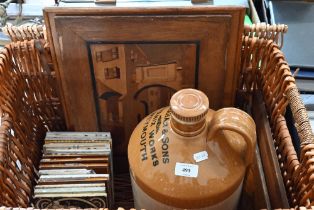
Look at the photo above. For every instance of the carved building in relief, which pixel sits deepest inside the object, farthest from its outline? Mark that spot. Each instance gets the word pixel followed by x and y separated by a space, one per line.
pixel 133 80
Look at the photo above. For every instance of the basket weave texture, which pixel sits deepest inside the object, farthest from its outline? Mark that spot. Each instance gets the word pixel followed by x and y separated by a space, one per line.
pixel 29 106
pixel 25 32
pixel 264 68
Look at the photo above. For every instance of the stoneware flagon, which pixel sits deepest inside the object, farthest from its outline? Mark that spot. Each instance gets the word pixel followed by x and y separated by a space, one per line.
pixel 189 156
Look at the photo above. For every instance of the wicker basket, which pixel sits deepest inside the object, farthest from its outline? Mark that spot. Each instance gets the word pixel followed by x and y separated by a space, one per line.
pixel 264 68
pixel 29 106
pixel 26 32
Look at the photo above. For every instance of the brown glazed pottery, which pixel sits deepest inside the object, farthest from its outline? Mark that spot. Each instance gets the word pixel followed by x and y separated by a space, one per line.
pixel 188 156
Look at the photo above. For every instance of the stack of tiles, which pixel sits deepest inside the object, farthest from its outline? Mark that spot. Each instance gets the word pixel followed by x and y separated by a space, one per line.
pixel 75 171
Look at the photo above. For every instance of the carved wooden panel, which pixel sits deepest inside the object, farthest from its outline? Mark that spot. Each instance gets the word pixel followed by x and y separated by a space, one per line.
pixel 115 65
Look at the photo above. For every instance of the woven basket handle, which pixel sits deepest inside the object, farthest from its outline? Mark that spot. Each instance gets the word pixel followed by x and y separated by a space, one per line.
pixel 300 116
pixel 238 121
pixel 268 32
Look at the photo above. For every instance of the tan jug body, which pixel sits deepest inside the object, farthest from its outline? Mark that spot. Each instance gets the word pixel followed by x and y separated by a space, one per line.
pixel 194 160
pixel 142 199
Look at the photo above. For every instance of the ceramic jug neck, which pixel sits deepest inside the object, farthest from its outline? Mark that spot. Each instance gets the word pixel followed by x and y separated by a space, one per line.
pixel 187 129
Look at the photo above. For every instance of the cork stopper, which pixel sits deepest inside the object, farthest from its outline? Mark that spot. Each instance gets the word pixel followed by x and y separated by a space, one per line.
pixel 189 106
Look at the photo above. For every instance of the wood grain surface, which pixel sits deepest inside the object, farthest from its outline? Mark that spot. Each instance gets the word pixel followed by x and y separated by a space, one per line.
pixel 216 31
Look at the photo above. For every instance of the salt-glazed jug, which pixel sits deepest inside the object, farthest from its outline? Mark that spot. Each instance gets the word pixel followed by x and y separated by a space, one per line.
pixel 187 156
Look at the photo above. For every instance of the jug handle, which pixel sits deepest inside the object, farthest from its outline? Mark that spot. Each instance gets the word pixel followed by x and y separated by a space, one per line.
pixel 238 121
